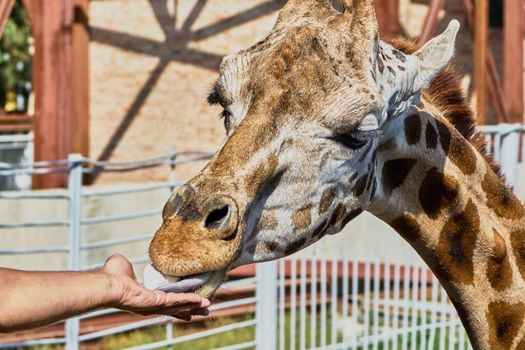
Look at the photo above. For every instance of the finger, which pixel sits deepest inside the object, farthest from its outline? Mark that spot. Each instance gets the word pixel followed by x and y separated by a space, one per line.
pixel 187 319
pixel 202 312
pixel 174 299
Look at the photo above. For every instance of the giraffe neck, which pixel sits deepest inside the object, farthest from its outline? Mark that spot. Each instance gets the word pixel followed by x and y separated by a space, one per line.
pixel 441 195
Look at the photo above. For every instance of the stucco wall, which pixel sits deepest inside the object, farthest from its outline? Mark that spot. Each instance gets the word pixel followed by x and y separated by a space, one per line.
pixel 152 66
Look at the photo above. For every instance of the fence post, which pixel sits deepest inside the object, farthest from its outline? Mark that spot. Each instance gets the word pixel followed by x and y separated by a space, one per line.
pixel 509 151
pixel 172 157
pixel 75 215
pixel 266 306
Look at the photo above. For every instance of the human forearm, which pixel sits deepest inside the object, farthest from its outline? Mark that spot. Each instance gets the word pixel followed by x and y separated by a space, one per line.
pixel 33 299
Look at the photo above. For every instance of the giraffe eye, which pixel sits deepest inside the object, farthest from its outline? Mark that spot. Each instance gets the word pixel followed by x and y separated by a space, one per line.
pixel 355 139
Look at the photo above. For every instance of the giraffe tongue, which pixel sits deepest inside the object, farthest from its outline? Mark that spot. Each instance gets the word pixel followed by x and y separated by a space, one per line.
pixel 187 284
pixel 153 279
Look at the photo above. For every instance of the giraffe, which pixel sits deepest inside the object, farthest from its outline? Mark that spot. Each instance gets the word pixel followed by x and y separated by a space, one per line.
pixel 323 121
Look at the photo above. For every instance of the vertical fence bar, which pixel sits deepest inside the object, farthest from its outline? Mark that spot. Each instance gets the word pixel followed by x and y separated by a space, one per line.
pixel 282 304
pixel 433 316
pixel 355 296
pixel 75 216
pixel 366 304
pixel 303 291
pixel 423 305
pixel 293 301
pixel 375 321
pixel 415 286
pixel 387 303
pixel 172 179
pixel 396 314
pixel 509 152
pixel 444 318
pixel 333 292
pixel 266 307
pixel 313 304
pixel 324 284
pixel 346 291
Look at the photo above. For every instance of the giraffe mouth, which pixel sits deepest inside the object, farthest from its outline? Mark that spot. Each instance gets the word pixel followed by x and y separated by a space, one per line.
pixel 203 284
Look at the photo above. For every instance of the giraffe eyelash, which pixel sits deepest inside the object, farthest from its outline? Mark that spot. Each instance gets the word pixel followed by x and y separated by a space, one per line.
pixel 356 139
pixel 225 114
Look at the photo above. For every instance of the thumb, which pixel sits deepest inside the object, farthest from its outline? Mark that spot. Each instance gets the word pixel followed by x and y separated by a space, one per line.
pixel 119 265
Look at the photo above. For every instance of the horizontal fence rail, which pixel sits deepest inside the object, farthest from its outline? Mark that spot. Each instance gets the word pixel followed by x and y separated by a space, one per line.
pixel 324 297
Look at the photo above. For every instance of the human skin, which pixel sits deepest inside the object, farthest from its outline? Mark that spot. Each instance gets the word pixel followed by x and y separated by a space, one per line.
pixel 35 299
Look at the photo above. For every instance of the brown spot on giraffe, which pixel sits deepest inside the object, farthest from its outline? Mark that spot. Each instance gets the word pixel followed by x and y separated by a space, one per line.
pixel 338 215
pixel 499 271
pixel 437 192
pixel 360 185
pixel 413 129
pixel 263 171
pixel 444 136
pixel 395 172
pixel 500 198
pixel 458 150
pixel 455 249
pixel 517 241
pixel 504 322
pixel 294 246
pixel 268 222
pixel 327 198
pixel 462 155
pixel 266 248
pixel 407 227
pixel 302 218
pixel 431 136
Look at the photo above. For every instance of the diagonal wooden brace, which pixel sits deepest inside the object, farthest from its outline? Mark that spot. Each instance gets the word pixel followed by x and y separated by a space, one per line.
pixel 5 10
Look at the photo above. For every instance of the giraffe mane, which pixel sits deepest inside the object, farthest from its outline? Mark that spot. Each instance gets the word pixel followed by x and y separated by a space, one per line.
pixel 446 95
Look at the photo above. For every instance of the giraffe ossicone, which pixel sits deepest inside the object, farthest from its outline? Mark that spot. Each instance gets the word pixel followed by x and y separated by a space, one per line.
pixel 324 121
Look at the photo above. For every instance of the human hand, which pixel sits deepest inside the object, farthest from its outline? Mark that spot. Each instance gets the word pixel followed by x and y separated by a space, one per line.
pixel 132 296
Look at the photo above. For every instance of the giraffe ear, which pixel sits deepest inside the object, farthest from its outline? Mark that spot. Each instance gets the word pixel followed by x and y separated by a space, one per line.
pixel 434 56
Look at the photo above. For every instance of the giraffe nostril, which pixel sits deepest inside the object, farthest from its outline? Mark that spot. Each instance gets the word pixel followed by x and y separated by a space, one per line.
pixel 217 217
pixel 183 195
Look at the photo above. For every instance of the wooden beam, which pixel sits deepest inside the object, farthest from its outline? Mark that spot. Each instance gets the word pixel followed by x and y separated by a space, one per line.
pixel 480 54
pixel 5 10
pixel 79 137
pixel 388 17
pixel 59 124
pixel 494 88
pixel 513 59
pixel 431 21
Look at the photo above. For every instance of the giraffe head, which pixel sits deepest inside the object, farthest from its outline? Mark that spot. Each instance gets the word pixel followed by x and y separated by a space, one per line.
pixel 303 111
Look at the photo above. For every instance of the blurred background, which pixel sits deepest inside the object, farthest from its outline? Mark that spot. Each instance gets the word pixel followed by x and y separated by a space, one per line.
pixel 103 114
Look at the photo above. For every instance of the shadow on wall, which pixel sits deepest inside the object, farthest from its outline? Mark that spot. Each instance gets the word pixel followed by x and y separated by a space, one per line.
pixel 174 48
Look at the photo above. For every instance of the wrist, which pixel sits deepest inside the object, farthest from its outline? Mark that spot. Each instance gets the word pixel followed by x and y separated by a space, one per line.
pixel 114 288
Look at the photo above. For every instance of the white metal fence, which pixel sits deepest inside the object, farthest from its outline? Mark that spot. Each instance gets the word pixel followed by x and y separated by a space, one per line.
pixel 362 289
pixel 16 149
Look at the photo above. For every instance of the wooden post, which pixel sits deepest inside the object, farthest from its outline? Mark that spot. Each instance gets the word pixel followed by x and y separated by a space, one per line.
pixel 431 21
pixel 79 137
pixel 388 17
pixel 494 88
pixel 5 10
pixel 480 54
pixel 513 59
pixel 60 85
